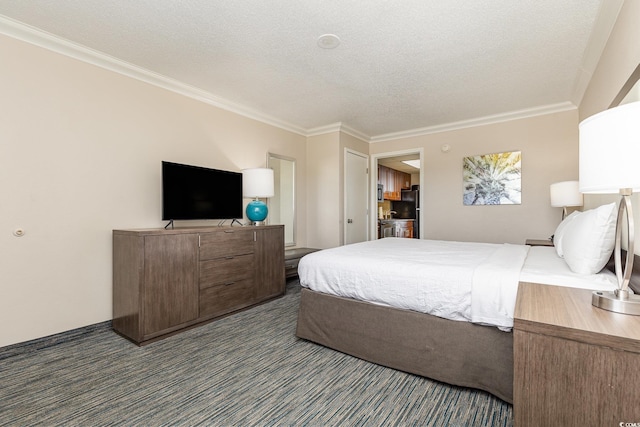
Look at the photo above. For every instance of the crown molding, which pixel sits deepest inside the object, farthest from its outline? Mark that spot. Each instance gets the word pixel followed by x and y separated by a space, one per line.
pixel 37 37
pixel 480 121
pixel 355 133
pixel 338 127
pixel 321 130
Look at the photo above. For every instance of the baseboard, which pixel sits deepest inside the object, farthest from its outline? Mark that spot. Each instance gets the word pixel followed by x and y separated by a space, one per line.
pixel 52 340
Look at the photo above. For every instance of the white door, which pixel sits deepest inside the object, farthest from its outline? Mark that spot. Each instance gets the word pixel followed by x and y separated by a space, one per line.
pixel 356 198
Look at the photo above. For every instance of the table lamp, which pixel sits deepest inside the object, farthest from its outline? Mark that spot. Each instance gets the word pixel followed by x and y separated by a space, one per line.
pixel 256 183
pixel 565 194
pixel 609 156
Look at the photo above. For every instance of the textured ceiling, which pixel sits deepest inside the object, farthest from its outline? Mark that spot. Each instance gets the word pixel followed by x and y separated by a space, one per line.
pixel 400 66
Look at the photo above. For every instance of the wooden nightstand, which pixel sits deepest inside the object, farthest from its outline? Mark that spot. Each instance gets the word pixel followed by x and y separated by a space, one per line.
pixel 539 242
pixel 574 364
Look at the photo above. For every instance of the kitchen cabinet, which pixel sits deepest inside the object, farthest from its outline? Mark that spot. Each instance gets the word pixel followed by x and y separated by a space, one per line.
pixel 394 182
pixel 383 178
pixel 404 229
pixel 402 180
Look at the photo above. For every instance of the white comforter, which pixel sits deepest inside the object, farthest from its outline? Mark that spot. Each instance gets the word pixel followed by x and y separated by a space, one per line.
pixel 464 281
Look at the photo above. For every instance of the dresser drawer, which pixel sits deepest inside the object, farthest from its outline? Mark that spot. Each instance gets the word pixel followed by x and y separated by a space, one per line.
pixel 221 271
pixel 219 300
pixel 226 243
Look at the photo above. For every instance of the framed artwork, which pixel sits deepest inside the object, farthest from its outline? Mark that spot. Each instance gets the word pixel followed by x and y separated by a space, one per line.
pixel 492 179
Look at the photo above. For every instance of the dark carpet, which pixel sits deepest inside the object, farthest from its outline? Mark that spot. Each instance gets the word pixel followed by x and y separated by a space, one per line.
pixel 247 369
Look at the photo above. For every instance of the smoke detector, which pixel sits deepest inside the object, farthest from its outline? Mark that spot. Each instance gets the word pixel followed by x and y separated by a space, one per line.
pixel 328 41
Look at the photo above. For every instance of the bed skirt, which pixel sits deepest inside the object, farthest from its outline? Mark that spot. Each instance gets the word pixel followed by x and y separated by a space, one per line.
pixel 453 352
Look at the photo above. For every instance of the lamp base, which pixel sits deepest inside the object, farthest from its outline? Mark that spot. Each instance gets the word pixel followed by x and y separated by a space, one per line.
pixel 257 212
pixel 608 300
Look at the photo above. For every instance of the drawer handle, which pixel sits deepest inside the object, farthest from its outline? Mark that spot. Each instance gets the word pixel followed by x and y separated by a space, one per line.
pixel 229 283
pixel 229 231
pixel 229 257
pixel 290 266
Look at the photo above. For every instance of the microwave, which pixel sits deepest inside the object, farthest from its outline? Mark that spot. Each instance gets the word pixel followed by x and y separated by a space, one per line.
pixel 380 192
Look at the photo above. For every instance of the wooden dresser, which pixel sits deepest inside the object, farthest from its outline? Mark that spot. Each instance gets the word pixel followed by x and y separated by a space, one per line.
pixel 574 364
pixel 168 280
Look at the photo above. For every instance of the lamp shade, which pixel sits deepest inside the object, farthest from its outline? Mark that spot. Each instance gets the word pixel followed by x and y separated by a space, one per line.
pixel 257 182
pixel 565 193
pixel 610 149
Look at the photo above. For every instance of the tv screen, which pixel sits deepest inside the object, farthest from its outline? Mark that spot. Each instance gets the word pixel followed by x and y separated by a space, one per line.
pixel 193 192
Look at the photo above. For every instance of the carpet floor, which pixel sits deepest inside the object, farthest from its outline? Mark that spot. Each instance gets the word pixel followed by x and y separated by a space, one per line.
pixel 247 369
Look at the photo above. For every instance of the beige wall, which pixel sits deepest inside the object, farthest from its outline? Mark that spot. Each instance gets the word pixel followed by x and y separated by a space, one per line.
pixel 618 62
pixel 80 153
pixel 323 190
pixel 325 187
pixel 549 154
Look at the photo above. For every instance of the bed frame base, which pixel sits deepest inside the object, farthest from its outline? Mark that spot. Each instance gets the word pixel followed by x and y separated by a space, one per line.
pixel 458 353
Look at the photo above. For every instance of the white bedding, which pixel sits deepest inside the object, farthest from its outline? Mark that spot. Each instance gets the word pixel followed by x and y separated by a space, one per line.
pixel 461 281
pixel 543 265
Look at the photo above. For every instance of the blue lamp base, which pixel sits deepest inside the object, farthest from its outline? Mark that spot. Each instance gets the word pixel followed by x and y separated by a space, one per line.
pixel 257 211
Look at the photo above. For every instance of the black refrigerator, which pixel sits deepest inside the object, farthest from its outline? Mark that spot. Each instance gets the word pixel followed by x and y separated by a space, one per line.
pixel 409 208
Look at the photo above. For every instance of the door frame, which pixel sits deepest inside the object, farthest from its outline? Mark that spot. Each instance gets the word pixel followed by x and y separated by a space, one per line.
pixel 366 157
pixel 373 177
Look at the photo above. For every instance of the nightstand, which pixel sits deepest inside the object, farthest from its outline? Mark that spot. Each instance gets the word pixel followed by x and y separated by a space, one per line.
pixel 574 364
pixel 539 242
pixel 292 258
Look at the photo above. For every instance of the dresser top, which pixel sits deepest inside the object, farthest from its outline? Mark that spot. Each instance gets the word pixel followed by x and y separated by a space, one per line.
pixel 189 230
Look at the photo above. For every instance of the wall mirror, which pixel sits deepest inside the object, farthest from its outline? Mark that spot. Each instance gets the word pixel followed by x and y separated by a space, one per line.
pixel 282 207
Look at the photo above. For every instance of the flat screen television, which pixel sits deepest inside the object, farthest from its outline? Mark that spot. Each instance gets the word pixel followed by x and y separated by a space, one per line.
pixel 193 192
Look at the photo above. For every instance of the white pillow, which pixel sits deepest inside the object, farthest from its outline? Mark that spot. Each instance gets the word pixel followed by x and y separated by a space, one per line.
pixel 557 236
pixel 588 239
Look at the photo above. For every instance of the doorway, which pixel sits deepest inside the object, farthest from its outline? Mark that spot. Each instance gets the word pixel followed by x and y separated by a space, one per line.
pixel 407 162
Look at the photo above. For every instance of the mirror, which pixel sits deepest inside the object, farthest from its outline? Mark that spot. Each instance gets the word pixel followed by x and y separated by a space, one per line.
pixel 282 207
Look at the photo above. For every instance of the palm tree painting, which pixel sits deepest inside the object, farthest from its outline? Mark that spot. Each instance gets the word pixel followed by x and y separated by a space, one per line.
pixel 492 179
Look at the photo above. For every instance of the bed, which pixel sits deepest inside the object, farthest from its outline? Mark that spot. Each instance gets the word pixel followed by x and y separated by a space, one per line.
pixel 370 300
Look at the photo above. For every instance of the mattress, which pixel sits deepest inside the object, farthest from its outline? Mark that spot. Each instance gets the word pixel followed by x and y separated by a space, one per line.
pixel 463 281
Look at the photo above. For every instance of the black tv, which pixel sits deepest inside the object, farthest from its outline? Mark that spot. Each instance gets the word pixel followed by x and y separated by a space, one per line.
pixel 193 192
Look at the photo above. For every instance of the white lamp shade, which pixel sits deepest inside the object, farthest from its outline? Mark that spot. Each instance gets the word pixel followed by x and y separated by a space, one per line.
pixel 610 150
pixel 257 182
pixel 565 193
